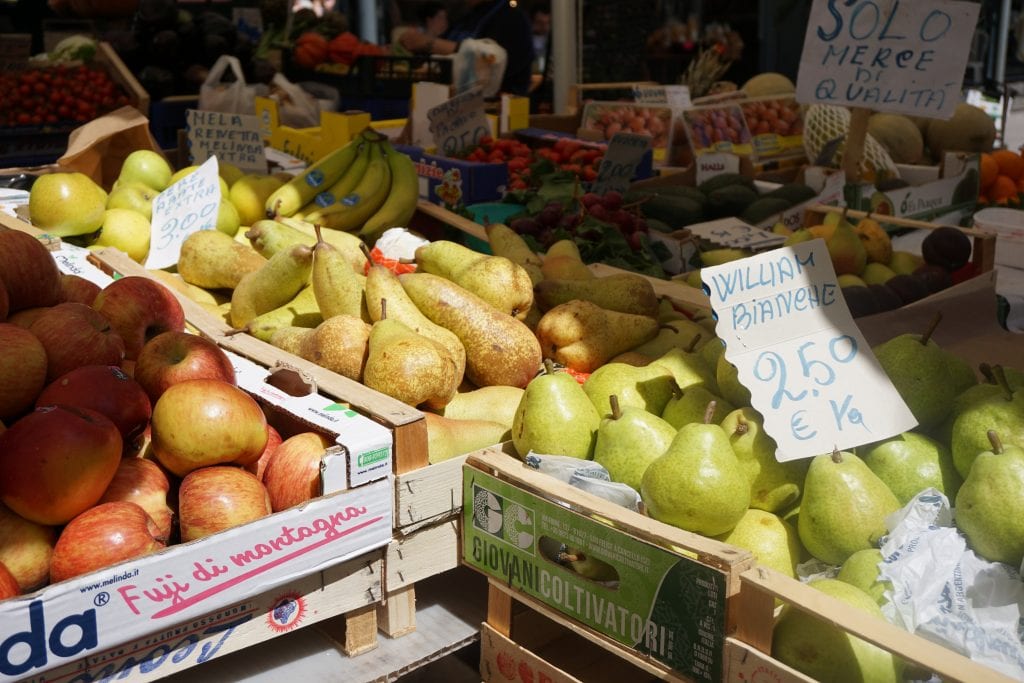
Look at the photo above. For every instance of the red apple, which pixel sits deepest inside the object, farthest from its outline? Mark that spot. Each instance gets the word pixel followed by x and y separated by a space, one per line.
pixel 203 422
pixel 77 289
pixel 103 536
pixel 56 462
pixel 22 370
pixel 177 356
pixel 141 481
pixel 293 471
pixel 139 309
pixel 273 441
pixel 5 302
pixel 75 335
pixel 29 273
pixel 25 548
pixel 220 497
pixel 107 390
pixel 8 584
pixel 26 316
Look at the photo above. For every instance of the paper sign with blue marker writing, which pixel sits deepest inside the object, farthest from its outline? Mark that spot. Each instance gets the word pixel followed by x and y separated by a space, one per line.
pixel 902 56
pixel 187 206
pixel 810 372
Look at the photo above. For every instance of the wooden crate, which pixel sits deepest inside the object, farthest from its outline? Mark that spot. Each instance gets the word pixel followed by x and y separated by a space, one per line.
pixel 692 649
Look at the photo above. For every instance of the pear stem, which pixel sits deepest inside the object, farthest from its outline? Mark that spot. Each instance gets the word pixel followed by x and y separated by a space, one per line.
pixel 693 343
pixel 383 309
pixel 366 251
pixel 709 412
pixel 276 213
pixel 997 444
pixel 549 366
pixel 319 234
pixel 1004 384
pixel 741 427
pixel 232 333
pixel 986 371
pixel 616 410
pixel 931 328
pixel 837 457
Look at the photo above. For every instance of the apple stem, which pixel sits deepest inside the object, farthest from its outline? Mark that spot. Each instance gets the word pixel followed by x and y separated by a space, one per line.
pixel 997 444
pixel 1004 384
pixel 616 410
pixel 709 412
pixel 741 427
pixel 931 328
pixel 693 343
pixel 383 308
pixel 986 371
pixel 837 457
pixel 549 366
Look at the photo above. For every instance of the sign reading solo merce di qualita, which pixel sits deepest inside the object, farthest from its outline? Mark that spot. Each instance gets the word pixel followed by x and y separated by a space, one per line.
pixel 901 56
pixel 810 371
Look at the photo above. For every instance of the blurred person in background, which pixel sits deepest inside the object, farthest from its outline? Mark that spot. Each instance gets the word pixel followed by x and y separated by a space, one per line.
pixel 540 29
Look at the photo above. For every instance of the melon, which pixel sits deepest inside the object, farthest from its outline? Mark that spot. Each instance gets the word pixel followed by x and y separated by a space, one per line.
pixel 763 85
pixel 969 130
pixel 899 135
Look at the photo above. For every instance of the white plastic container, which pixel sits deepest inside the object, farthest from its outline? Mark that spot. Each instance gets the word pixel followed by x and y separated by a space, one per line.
pixel 1008 224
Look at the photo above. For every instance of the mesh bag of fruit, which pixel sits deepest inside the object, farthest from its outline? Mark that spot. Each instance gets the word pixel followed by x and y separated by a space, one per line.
pixel 826 124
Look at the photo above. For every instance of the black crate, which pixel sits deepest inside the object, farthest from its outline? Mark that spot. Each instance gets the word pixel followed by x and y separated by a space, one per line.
pixel 389 77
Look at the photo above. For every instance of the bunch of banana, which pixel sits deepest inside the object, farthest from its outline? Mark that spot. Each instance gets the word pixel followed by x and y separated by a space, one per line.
pixel 364 187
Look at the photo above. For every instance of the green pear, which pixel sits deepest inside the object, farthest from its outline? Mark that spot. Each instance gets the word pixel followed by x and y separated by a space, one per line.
pixel 341 344
pixel 826 652
pixel 877 273
pixel 274 284
pixel 338 290
pixel 904 262
pixel 587 566
pixel 623 292
pixel 728 379
pixel 555 417
pixel 675 334
pixel 583 336
pixel 917 367
pixel 301 311
pixel 271 236
pixel 507 242
pixel 774 542
pixel 212 260
pixel 846 250
pixel 408 366
pixel 449 437
pixel 911 462
pixel 689 405
pixel 1002 411
pixel 774 486
pixel 710 353
pixel 564 262
pixel 697 484
pixel 499 348
pixel 492 404
pixel 382 284
pixel 798 236
pixel 628 440
pixel 861 570
pixel 667 311
pixel 848 280
pixel 688 368
pixel 66 204
pixel 843 508
pixel 990 504
pixel 648 388
pixel 292 339
pixel 497 280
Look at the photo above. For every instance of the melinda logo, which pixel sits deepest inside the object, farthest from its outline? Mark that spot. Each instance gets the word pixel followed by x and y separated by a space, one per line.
pixel 371 457
pixel 30 649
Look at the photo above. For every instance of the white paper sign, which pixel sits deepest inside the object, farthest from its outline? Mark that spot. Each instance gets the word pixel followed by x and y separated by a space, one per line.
pixel 233 138
pixel 710 165
pixel 618 166
pixel 732 232
pixel 75 261
pixel 810 371
pixel 676 96
pixel 893 55
pixel 459 123
pixel 187 206
pixel 425 96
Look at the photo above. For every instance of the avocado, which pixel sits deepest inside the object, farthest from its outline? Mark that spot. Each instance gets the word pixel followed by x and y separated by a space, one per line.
pixel 763 209
pixel 675 212
pixel 684 191
pixel 724 180
pixel 880 203
pixel 656 225
pixel 731 200
pixel 795 193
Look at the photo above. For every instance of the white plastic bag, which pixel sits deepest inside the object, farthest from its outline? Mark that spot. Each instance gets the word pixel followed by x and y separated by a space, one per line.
pixel 296 107
pixel 235 97
pixel 479 62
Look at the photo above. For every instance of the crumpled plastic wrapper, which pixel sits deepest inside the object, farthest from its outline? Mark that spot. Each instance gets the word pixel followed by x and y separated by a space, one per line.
pixel 942 591
pixel 586 475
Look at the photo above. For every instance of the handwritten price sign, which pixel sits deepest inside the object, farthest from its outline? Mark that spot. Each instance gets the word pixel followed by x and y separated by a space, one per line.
pixel 459 123
pixel 618 166
pixel 732 232
pixel 187 206
pixel 810 372
pixel 896 55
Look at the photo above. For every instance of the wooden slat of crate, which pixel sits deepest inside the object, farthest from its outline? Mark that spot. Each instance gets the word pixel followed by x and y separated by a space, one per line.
pixel 120 73
pixel 428 495
pixel 948 665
